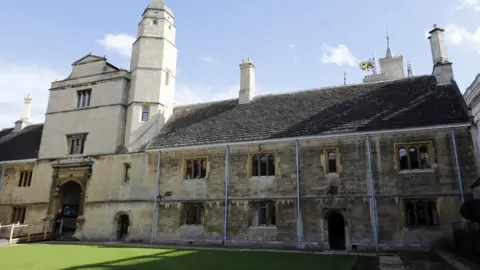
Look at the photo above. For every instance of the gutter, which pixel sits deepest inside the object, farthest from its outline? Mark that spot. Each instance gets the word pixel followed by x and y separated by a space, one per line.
pixel 373 201
pixel 299 211
pixel 225 220
pixel 305 138
pixel 19 161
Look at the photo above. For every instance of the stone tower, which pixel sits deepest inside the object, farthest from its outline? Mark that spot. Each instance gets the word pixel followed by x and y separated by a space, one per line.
pixel 152 67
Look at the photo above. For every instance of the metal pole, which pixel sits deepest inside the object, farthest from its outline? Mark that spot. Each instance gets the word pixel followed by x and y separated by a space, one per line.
pixel 225 218
pixel 373 203
pixel 459 176
pixel 3 176
pixel 299 213
pixel 157 184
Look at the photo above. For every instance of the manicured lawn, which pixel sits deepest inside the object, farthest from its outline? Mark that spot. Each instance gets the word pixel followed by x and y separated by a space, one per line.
pixel 44 256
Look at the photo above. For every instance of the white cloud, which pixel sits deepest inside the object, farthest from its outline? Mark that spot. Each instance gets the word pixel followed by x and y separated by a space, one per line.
pixel 469 4
pixel 196 93
pixel 291 46
pixel 339 55
pixel 207 59
pixel 16 82
pixel 456 35
pixel 119 43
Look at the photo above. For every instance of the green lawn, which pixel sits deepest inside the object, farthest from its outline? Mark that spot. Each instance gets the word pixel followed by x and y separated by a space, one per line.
pixel 44 256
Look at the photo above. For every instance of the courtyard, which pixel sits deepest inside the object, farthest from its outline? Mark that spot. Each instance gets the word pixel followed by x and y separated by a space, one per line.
pixel 71 257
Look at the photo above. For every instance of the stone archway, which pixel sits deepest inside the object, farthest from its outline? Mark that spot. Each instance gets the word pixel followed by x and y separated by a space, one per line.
pixel 336 230
pixel 70 198
pixel 122 224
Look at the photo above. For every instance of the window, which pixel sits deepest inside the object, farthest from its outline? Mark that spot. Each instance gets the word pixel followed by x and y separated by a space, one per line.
pixel 18 214
pixel 155 22
pixel 193 214
pixel 264 214
pixel 167 78
pixel 262 165
pixel 196 168
pixel 83 98
pixel 420 213
pixel 126 172
pixel 414 156
pixel 145 113
pixel 331 161
pixel 76 143
pixel 25 178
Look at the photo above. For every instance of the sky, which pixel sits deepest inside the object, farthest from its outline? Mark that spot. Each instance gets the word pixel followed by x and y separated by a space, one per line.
pixel 294 45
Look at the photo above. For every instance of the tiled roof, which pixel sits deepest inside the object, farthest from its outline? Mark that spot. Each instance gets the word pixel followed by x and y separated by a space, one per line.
pixel 405 103
pixel 20 145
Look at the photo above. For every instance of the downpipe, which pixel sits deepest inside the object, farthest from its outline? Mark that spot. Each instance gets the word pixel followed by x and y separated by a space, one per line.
pixel 373 203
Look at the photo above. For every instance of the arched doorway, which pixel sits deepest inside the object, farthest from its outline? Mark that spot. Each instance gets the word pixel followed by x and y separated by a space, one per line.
pixel 123 222
pixel 69 198
pixel 336 231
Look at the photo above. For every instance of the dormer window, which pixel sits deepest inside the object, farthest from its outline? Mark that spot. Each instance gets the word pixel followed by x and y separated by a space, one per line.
pixel 83 98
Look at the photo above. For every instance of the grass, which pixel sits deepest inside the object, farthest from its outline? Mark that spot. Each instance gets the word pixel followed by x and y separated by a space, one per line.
pixel 73 257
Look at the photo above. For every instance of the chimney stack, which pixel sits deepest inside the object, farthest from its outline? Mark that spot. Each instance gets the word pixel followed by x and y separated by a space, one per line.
pixel 23 122
pixel 442 68
pixel 247 81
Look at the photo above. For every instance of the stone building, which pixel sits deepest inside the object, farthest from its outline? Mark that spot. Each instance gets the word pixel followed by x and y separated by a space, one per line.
pixel 380 164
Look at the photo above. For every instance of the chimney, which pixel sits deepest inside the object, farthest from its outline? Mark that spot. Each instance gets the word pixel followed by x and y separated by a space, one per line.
pixel 442 68
pixel 23 122
pixel 247 81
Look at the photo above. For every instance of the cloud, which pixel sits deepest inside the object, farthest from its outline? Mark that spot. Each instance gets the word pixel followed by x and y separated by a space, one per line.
pixel 207 59
pixel 197 93
pixel 119 43
pixel 468 4
pixel 339 55
pixel 456 35
pixel 16 82
pixel 291 46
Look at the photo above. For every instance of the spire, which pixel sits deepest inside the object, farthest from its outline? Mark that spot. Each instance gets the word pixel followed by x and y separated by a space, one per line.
pixel 409 70
pixel 344 78
pixel 389 51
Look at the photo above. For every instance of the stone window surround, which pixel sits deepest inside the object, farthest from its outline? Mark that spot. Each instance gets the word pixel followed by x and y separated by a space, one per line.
pixel 249 165
pixel 431 156
pixel 84 98
pixel 325 160
pixel 25 178
pixel 255 214
pixel 403 212
pixel 71 137
pixel 20 210
pixel 184 215
pixel 184 167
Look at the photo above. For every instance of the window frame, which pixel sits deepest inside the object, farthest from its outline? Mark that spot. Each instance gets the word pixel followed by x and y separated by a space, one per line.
pixel 270 207
pixel 81 101
pixel 72 149
pixel 427 204
pixel 25 178
pixel 199 213
pixel 127 166
pixel 250 167
pixel 18 214
pixel 142 112
pixel 417 145
pixel 193 159
pixel 326 160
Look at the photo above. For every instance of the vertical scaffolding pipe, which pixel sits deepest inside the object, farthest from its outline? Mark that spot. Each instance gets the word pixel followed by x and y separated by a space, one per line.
pixel 373 203
pixel 225 218
pixel 155 199
pixel 3 175
pixel 299 213
pixel 459 175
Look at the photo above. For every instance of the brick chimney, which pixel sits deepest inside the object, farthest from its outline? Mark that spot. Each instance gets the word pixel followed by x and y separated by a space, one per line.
pixel 247 81
pixel 442 68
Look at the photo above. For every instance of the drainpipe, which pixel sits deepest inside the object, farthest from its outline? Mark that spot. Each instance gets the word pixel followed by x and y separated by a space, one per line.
pixel 373 203
pixel 225 218
pixel 459 176
pixel 299 213
pixel 3 176
pixel 157 184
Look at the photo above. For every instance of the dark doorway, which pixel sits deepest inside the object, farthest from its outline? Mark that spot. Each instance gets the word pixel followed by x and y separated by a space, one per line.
pixel 122 227
pixel 70 194
pixel 336 231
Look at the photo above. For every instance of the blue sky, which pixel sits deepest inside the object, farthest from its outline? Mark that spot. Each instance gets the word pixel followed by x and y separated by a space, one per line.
pixel 294 44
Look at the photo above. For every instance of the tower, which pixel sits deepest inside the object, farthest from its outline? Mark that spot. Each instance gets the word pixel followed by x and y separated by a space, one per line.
pixel 390 65
pixel 153 72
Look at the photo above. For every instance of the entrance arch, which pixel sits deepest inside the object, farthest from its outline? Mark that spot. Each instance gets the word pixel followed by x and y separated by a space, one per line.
pixel 122 224
pixel 70 197
pixel 336 230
